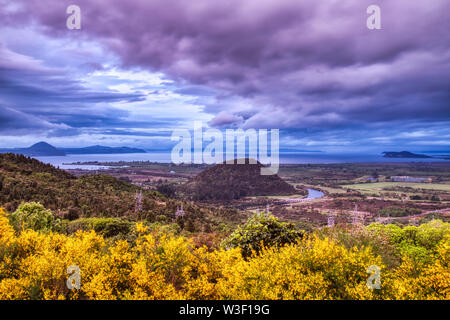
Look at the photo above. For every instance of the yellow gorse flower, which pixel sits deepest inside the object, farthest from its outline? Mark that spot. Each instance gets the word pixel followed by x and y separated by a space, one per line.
pixel 140 228
pixel 34 265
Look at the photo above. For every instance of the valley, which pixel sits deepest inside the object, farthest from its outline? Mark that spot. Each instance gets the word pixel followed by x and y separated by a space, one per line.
pixel 346 190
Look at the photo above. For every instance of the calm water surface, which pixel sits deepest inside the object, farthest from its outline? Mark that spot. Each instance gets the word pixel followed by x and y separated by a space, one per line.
pixel 68 161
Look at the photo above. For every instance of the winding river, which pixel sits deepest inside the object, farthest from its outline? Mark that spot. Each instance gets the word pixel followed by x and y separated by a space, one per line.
pixel 314 194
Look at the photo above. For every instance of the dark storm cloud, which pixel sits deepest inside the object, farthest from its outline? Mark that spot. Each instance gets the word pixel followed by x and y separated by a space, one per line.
pixel 224 119
pixel 194 90
pixel 295 64
pixel 39 98
pixel 13 122
pixel 117 132
pixel 314 59
pixel 21 86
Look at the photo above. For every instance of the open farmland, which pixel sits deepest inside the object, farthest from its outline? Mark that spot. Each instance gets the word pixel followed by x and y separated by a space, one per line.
pixel 380 186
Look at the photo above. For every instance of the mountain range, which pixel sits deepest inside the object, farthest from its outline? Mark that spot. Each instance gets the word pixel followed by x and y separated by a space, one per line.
pixel 42 149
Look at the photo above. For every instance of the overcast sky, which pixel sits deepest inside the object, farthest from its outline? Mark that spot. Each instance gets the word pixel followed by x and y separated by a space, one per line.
pixel 138 69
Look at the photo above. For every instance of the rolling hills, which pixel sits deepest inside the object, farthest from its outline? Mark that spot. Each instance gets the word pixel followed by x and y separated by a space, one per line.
pixel 24 179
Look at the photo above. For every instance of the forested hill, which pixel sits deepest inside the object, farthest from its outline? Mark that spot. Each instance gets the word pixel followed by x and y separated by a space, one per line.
pixel 233 181
pixel 24 179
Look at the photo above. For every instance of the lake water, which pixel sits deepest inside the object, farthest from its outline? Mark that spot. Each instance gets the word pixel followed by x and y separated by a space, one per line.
pixel 66 162
pixel 70 161
pixel 314 194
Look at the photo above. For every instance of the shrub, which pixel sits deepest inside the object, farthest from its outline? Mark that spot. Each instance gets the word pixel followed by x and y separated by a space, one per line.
pixel 33 215
pixel 398 212
pixel 108 227
pixel 33 265
pixel 260 230
pixel 164 228
pixel 312 268
pixel 417 243
pixel 72 214
pixel 166 189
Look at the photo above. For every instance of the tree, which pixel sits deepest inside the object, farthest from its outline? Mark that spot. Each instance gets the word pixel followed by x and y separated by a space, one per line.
pixel 33 215
pixel 261 230
pixel 166 189
pixel 72 214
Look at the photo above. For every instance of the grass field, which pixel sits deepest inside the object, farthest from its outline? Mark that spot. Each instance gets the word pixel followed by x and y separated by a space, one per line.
pixel 379 186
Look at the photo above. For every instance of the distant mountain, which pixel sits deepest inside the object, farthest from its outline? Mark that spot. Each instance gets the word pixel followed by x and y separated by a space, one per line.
pixel 36 150
pixel 101 150
pixel 233 181
pixel 404 154
pixel 43 149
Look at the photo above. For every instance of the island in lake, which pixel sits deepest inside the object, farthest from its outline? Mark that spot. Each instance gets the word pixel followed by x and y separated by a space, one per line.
pixel 404 154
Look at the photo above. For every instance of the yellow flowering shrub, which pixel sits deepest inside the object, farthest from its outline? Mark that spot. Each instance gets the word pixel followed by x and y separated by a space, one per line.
pixel 310 269
pixel 33 265
pixel 40 262
pixel 141 228
pixel 435 281
pixel 6 230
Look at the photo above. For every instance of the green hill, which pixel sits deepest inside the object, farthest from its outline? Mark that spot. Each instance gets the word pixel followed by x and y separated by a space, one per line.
pixel 24 179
